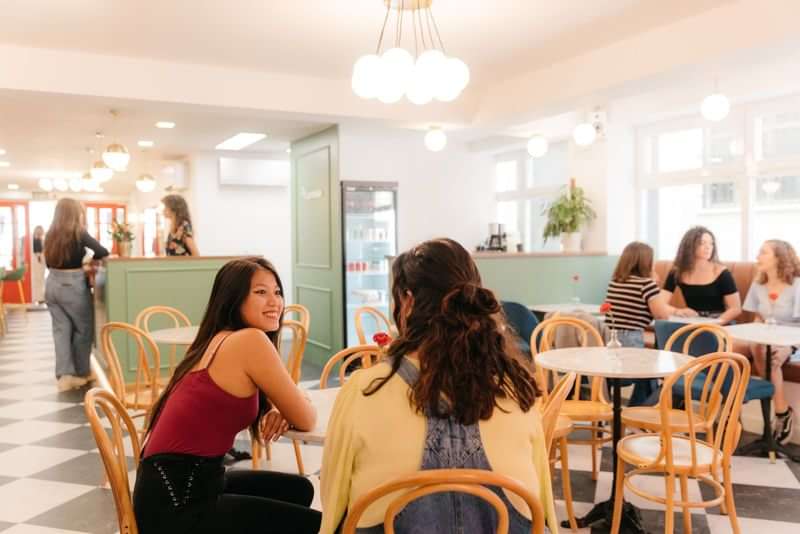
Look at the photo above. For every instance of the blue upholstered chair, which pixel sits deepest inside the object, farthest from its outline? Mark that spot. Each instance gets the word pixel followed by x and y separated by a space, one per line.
pixel 523 321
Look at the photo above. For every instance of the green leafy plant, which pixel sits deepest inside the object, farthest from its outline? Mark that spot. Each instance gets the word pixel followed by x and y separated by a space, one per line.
pixel 568 213
pixel 121 232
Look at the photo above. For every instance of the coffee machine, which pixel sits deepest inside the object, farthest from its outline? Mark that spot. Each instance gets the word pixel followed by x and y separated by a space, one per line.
pixel 497 237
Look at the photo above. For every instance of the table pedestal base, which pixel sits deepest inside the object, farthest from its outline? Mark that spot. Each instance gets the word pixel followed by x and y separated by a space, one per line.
pixel 766 448
pixel 604 511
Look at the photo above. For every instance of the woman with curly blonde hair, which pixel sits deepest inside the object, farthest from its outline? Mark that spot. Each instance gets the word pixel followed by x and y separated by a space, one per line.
pixel 775 296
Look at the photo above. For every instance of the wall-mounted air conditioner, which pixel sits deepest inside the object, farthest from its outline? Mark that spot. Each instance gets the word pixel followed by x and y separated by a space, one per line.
pixel 254 172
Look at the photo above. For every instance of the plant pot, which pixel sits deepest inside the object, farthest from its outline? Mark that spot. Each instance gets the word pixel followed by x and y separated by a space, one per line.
pixel 571 242
pixel 124 249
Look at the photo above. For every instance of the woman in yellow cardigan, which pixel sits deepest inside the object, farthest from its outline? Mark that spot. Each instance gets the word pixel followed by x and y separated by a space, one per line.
pixel 454 392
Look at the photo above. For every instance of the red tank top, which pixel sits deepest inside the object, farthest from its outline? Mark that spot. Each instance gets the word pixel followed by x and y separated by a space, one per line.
pixel 200 418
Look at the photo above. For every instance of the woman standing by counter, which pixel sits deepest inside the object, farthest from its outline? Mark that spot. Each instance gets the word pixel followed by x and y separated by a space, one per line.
pixel 180 240
pixel 67 293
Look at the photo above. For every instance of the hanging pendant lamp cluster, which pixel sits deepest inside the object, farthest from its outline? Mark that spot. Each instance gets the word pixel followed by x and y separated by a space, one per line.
pixel 427 75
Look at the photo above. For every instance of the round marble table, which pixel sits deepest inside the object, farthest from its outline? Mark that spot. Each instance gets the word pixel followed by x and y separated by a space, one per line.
pixel 175 336
pixel 613 364
pixel 322 400
pixel 768 335
pixel 569 307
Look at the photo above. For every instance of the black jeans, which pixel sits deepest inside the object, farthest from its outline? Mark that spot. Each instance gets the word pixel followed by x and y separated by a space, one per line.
pixel 178 494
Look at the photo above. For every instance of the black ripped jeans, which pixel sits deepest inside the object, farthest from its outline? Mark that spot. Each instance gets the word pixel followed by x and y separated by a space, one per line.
pixel 178 493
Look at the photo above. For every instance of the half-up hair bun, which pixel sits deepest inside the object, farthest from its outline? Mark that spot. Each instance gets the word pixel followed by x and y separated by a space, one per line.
pixel 470 299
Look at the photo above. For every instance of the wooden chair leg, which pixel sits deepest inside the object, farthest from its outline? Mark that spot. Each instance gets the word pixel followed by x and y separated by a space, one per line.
pixel 566 483
pixel 729 502
pixel 24 305
pixel 594 455
pixel 268 450
pixel 299 457
pixel 619 490
pixel 669 512
pixel 687 513
pixel 255 452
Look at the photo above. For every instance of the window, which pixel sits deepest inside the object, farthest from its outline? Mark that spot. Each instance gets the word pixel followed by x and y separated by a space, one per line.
pixel 523 188
pixel 680 151
pixel 776 211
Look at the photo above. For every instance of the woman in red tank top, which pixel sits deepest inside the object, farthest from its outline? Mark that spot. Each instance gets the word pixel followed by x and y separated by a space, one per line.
pixel 231 378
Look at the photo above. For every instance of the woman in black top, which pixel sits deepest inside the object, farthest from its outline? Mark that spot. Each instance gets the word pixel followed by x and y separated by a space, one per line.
pixel 707 285
pixel 67 293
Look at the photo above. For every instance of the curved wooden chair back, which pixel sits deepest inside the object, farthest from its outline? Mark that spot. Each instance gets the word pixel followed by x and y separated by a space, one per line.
pixel 369 355
pixel 178 319
pixel 724 369
pixel 422 483
pixel 587 336
pixel 146 388
pixel 303 315
pixel 100 403
pixel 553 406
pixel 294 361
pixel 379 318
pixel 710 398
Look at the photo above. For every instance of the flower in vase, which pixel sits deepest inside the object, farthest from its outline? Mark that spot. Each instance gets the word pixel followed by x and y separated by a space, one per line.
pixel 605 309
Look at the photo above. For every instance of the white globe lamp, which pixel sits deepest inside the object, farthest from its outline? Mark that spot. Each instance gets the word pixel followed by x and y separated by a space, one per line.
pixel 715 107
pixel 435 140
pixel 366 76
pixel 584 134
pixel 101 172
pixel 146 183
pixel 537 146
pixel 46 184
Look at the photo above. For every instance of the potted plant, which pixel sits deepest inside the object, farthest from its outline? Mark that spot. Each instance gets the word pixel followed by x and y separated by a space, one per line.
pixel 566 215
pixel 122 236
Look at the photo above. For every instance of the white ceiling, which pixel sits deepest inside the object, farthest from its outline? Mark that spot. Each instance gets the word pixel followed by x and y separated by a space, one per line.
pixel 322 38
pixel 46 133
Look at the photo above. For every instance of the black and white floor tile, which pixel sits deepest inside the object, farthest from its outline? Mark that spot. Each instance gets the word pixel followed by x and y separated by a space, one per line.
pixel 50 471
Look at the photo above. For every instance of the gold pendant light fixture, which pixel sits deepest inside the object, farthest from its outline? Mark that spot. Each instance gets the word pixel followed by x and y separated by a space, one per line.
pixel 116 155
pixel 427 75
pixel 99 171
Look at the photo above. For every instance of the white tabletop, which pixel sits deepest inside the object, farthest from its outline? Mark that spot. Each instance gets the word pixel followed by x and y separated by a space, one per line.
pixel 323 400
pixel 765 334
pixel 593 309
pixel 693 320
pixel 626 362
pixel 175 336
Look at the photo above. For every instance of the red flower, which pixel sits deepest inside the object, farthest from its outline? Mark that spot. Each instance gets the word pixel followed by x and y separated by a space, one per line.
pixel 605 307
pixel 575 278
pixel 382 339
pixel 773 296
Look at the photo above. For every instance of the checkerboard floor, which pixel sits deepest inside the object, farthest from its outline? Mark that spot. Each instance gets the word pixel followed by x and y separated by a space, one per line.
pixel 50 471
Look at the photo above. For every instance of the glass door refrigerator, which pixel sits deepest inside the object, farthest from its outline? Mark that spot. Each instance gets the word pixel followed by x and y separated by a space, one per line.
pixel 369 210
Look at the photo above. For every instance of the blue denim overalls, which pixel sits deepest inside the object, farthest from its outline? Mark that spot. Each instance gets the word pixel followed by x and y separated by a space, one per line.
pixel 451 445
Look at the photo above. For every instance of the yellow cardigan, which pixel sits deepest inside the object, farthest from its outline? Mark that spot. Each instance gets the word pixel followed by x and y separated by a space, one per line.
pixel 373 439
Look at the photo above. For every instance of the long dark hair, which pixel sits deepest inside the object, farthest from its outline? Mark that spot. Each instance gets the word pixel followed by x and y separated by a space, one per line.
pixel 231 288
pixel 64 235
pixel 636 260
pixel 456 327
pixel 685 259
pixel 177 205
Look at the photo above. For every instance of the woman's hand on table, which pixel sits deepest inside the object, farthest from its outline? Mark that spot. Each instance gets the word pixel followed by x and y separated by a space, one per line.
pixel 685 312
pixel 273 425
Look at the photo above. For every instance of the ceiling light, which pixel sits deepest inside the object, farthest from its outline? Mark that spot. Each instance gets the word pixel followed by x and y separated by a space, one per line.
pixel 396 72
pixel 88 183
pixel 60 184
pixel 145 183
pixel 584 134
pixel 537 146
pixel 46 184
pixel 75 185
pixel 240 141
pixel 145 144
pixel 770 187
pixel 2 152
pixel 117 157
pixel 435 139
pixel 165 125
pixel 5 164
pixel 288 150
pixel 715 107
pixel 101 172
pixel 13 187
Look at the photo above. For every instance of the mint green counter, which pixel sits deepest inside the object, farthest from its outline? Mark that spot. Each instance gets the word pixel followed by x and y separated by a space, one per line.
pixel 546 278
pixel 125 286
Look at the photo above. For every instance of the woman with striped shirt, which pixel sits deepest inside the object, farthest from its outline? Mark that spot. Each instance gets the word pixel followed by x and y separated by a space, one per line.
pixel 636 300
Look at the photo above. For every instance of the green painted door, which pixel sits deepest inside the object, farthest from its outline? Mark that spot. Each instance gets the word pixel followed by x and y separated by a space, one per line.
pixel 316 240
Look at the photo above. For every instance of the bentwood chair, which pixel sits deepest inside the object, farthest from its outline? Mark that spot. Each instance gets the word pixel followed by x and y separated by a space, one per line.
pixel 381 321
pixel 672 454
pixel 556 428
pixel 592 412
pixel 294 362
pixel 16 277
pixel 302 313
pixel 174 315
pixel 98 404
pixel 368 354
pixel 423 483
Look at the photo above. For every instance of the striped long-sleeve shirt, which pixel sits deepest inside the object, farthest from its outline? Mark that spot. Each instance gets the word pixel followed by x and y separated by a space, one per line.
pixel 630 309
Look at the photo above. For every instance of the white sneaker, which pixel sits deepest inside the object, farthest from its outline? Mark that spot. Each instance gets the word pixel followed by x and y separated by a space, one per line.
pixel 68 382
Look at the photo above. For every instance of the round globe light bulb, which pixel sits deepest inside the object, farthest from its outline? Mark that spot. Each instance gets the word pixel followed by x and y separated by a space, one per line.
pixel 46 184
pixel 101 172
pixel 770 187
pixel 435 140
pixel 397 68
pixel 60 184
pixel 584 134
pixel 146 183
pixel 429 70
pixel 454 78
pixel 366 76
pixel 117 157
pixel 75 185
pixel 538 146
pixel 715 107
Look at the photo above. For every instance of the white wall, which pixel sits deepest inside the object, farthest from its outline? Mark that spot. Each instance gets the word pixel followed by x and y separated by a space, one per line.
pixel 236 220
pixel 440 194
